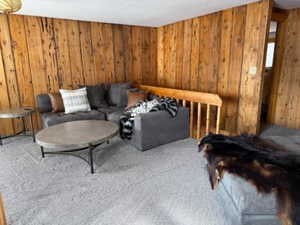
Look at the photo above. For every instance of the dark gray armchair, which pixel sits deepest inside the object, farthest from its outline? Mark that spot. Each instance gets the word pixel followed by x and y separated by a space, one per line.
pixel 157 128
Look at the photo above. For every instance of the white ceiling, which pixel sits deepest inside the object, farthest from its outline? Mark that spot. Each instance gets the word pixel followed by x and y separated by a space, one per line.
pixel 134 12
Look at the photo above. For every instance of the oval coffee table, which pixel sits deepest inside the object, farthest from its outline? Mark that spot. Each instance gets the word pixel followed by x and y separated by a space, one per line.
pixel 76 136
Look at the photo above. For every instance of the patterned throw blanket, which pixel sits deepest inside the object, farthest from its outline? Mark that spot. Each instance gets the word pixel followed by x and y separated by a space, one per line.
pixel 157 104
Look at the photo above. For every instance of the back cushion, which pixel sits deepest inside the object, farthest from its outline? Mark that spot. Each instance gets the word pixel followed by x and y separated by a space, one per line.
pixel 117 94
pixel 75 100
pixel 44 103
pixel 56 102
pixel 96 96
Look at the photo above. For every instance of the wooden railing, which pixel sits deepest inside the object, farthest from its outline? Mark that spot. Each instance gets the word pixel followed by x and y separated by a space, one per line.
pixel 190 99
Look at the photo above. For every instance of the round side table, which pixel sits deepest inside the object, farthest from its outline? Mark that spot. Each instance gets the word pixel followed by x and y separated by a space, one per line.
pixel 17 113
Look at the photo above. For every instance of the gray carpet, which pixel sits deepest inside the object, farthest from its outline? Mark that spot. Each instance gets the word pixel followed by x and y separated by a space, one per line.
pixel 167 185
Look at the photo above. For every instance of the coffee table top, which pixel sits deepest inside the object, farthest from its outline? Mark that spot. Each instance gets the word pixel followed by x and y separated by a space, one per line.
pixel 15 112
pixel 77 134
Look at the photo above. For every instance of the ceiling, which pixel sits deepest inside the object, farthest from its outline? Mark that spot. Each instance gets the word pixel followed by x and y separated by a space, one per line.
pixel 153 13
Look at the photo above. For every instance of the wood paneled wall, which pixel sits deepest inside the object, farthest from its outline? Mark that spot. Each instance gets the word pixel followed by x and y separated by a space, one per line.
pixel 40 55
pixel 215 53
pixel 285 94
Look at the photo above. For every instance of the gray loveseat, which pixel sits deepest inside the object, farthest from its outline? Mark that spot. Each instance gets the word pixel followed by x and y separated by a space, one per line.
pixel 108 102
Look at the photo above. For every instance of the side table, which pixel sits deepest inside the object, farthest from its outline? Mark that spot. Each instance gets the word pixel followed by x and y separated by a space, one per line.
pixel 17 113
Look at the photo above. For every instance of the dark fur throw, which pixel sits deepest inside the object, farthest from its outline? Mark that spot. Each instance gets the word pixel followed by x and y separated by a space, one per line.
pixel 269 167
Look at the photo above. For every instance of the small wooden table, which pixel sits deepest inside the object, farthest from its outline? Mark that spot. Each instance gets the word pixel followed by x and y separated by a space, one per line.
pixel 17 113
pixel 76 136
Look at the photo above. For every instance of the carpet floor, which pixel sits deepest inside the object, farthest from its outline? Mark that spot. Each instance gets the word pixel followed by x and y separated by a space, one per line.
pixel 167 185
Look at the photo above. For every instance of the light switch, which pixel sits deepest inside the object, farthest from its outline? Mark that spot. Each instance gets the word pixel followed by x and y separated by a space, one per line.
pixel 253 70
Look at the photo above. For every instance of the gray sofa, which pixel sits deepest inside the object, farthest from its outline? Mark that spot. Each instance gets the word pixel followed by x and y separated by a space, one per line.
pixel 150 130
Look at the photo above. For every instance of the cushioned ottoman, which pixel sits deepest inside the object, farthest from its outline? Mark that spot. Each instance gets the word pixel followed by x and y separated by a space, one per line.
pixel 251 208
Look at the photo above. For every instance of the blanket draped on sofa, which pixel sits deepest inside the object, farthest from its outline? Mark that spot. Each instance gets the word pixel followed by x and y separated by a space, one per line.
pixel 157 104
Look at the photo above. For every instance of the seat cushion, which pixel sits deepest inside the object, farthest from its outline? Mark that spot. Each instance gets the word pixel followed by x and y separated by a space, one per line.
pixel 115 116
pixel 50 119
pixel 112 113
pixel 245 197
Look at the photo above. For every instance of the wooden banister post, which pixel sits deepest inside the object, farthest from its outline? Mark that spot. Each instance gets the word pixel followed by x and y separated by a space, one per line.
pixel 199 121
pixel 207 118
pixel 191 119
pixel 218 120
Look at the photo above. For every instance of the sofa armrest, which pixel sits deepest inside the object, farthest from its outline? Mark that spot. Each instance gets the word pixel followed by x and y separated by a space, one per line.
pixel 158 128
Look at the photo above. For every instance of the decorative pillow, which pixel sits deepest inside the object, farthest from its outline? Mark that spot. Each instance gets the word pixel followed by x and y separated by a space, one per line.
pixel 56 102
pixel 134 97
pixel 117 94
pixel 75 100
pixel 96 96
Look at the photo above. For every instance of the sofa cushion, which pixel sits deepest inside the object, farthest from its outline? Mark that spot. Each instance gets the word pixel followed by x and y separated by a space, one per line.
pixel 43 103
pixel 50 119
pixel 246 198
pixel 56 102
pixel 112 113
pixel 97 96
pixel 75 100
pixel 117 94
pixel 115 116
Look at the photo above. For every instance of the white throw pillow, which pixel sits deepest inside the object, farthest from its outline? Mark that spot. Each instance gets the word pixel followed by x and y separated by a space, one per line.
pixel 75 100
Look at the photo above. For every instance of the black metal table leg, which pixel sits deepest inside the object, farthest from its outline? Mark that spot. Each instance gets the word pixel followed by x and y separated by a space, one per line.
pixel 24 125
pixel 43 153
pixel 91 148
pixel 1 143
pixel 32 128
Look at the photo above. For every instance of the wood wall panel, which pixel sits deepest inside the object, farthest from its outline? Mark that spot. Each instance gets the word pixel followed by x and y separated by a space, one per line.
pixel 41 55
pixel 285 96
pixel 257 23
pixel 213 53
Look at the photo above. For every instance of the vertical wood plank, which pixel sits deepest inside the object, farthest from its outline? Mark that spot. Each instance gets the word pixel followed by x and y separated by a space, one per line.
pixel 153 56
pixel 9 67
pixel 98 49
pixel 49 53
pixel 195 54
pixel 186 70
pixel 108 53
pixel 63 57
pixel 224 60
pixel 146 56
pixel 136 53
pixel 6 127
pixel 160 55
pixel 118 46
pixel 22 66
pixel 235 70
pixel 128 51
pixel 257 24
pixel 87 53
pixel 179 53
pixel 36 57
pixel 75 53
